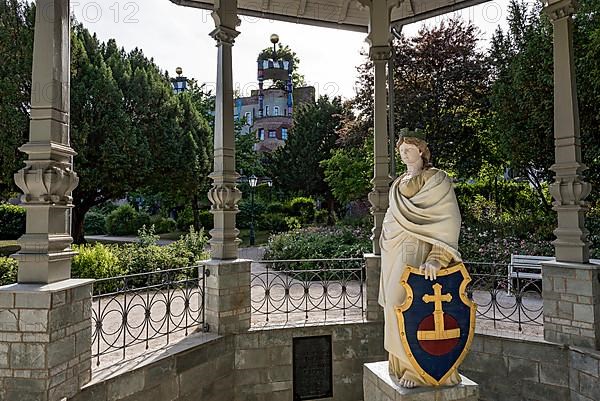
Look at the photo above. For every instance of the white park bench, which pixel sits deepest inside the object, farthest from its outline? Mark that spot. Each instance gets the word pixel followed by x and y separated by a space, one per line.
pixel 526 267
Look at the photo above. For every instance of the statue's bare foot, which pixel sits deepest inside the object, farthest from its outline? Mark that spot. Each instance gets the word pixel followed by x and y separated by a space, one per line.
pixel 406 383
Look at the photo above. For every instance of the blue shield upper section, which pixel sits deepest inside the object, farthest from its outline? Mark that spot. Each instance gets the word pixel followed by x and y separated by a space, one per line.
pixel 436 366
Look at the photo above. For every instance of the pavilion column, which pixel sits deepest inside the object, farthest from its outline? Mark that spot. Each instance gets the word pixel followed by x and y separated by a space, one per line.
pixel 571 286
pixel 224 194
pixel 379 39
pixel 45 319
pixel 227 296
pixel 48 179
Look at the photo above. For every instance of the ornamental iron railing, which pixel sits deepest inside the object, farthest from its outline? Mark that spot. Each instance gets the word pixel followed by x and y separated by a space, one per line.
pixel 137 309
pixel 506 305
pixel 321 289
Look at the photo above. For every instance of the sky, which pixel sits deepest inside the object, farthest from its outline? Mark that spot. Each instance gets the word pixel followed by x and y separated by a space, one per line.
pixel 177 36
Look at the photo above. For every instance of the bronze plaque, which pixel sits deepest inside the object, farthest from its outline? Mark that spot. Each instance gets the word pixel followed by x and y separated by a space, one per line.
pixel 313 368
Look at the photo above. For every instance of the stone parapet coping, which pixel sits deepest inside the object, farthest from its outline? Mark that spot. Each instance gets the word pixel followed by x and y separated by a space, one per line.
pixel 150 356
pixel 53 287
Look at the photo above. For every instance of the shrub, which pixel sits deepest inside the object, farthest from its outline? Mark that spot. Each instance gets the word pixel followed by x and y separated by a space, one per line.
pixel 191 246
pixel 206 220
pixel 163 225
pixel 244 217
pixel 303 208
pixel 185 219
pixel 274 222
pixel 482 245
pixel 319 242
pixel 8 271
pixel 12 221
pixel 94 223
pixel 275 207
pixel 125 220
pixel 95 261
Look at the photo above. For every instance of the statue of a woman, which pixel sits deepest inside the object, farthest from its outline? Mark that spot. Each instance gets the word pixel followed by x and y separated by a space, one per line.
pixel 420 228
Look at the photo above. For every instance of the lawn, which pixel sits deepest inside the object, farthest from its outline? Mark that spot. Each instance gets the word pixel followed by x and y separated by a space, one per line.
pixel 261 237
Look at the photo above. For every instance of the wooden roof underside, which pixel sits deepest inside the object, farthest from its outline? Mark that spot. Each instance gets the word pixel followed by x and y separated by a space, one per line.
pixel 339 14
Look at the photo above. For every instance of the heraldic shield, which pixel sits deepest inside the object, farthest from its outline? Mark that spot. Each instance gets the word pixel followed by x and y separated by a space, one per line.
pixel 437 321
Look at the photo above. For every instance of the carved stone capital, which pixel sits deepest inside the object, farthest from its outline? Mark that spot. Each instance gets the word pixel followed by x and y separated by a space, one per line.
pixel 570 190
pixel 224 35
pixel 559 9
pixel 224 197
pixel 380 53
pixel 49 183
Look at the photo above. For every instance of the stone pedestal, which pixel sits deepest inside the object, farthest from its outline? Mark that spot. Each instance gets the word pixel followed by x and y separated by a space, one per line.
pixel 227 298
pixel 378 385
pixel 45 340
pixel 571 293
pixel 374 310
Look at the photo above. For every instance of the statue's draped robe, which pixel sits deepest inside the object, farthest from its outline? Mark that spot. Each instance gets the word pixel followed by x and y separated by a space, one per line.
pixel 422 224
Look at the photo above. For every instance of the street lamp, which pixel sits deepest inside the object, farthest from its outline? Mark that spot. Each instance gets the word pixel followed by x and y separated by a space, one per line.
pixel 270 185
pixel 252 181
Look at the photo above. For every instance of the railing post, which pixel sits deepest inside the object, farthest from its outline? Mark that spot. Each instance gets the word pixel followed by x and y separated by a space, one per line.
pixel 227 296
pixel 373 273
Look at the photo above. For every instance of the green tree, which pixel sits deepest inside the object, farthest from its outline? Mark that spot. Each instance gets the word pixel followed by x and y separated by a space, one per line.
pixel 296 166
pixel 17 20
pixel 522 95
pixel 441 81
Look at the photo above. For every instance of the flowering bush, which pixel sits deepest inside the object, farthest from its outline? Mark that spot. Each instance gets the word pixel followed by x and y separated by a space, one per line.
pixel 477 244
pixel 319 242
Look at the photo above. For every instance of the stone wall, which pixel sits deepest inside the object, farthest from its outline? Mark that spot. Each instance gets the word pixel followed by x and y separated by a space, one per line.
pixel 263 360
pixel 254 366
pixel 257 366
pixel 200 372
pixel 45 340
pixel 511 369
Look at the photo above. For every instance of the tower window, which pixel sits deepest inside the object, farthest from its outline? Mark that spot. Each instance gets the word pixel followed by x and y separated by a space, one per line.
pixel 272 133
pixel 284 134
pixel 261 134
pixel 248 118
pixel 266 110
pixel 276 110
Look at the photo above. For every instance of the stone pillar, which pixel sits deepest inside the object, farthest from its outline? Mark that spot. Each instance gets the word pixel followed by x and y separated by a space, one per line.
pixel 379 39
pixel 45 320
pixel 47 180
pixel 224 194
pixel 227 298
pixel 45 340
pixel 374 311
pixel 569 189
pixel 571 286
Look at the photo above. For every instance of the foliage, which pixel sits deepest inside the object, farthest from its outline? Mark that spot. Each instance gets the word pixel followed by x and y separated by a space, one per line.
pixel 95 261
pixel 303 208
pixel 125 220
pixel 319 242
pixel 17 19
pixel 441 79
pixel 348 172
pixel 8 270
pixel 130 130
pixel 593 225
pixel 104 261
pixel 162 224
pixel 12 221
pixel 95 223
pixel 296 166
pixel 482 245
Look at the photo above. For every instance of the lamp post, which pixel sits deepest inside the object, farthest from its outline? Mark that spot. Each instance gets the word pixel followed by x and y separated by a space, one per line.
pixel 270 184
pixel 180 82
pixel 252 181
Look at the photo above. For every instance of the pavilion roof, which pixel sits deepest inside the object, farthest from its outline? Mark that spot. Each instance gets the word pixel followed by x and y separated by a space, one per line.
pixel 340 14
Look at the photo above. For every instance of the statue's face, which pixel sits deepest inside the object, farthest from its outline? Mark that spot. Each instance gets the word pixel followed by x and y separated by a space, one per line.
pixel 409 153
